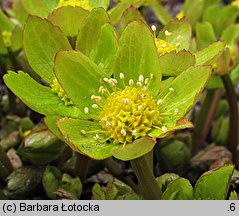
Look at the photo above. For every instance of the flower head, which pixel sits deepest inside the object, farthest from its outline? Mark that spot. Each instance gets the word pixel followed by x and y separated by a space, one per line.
pixel 75 3
pixel 235 3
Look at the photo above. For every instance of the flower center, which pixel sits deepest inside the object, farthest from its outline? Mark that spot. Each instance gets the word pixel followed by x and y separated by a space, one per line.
pixel 74 3
pixel 163 46
pixel 6 35
pixel 56 87
pixel 129 114
pixel 235 3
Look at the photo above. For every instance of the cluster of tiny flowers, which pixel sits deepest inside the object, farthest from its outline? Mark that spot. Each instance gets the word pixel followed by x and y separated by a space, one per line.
pixel 163 46
pixel 129 113
pixel 235 3
pixel 56 87
pixel 75 3
pixel 6 35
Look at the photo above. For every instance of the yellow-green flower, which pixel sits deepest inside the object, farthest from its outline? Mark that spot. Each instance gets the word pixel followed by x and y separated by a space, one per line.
pixel 235 3
pixel 180 15
pixel 6 35
pixel 75 3
pixel 125 111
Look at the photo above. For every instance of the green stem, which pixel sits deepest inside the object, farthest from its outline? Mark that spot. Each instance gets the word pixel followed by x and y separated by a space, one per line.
pixel 205 118
pixel 120 174
pixel 81 166
pixel 2 196
pixel 5 160
pixel 147 183
pixel 160 12
pixel 232 138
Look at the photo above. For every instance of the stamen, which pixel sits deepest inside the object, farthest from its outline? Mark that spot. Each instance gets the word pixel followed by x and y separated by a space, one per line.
pixel 106 80
pixel 141 78
pixel 164 45
pixel 134 132
pixel 139 84
pixel 145 88
pixel 104 119
pixel 164 129
pixel 123 132
pixel 92 97
pixel 179 37
pixel 159 102
pixel 95 106
pixel 151 76
pixel 96 137
pixel 177 45
pixel 176 111
pixel 86 110
pixel 146 81
pixel 131 82
pixel 108 124
pixel 83 132
pixel 126 101
pixel 139 107
pixel 102 90
pixel 167 33
pixel 121 76
pixel 171 89
pixel 153 27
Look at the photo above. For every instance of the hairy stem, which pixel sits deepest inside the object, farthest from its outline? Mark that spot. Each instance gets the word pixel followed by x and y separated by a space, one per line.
pixel 120 174
pixel 81 166
pixel 205 118
pixel 147 183
pixel 5 160
pixel 233 118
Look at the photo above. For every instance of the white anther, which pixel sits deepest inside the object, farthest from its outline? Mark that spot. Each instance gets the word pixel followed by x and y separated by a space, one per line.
pixel 142 95
pixel 95 106
pixel 164 45
pixel 144 88
pixel 104 119
pixel 151 76
pixel 167 33
pixel 113 82
pixel 108 124
pixel 146 81
pixel 159 102
pixel 176 111
pixel 139 84
pixel 134 132
pixel 153 27
pixel 177 44
pixel 106 79
pixel 102 90
pixel 123 132
pixel 164 129
pixel 140 107
pixel 126 101
pixel 83 132
pixel 86 110
pixel 121 76
pixel 92 97
pixel 141 78
pixel 171 89
pixel 131 82
pixel 96 137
